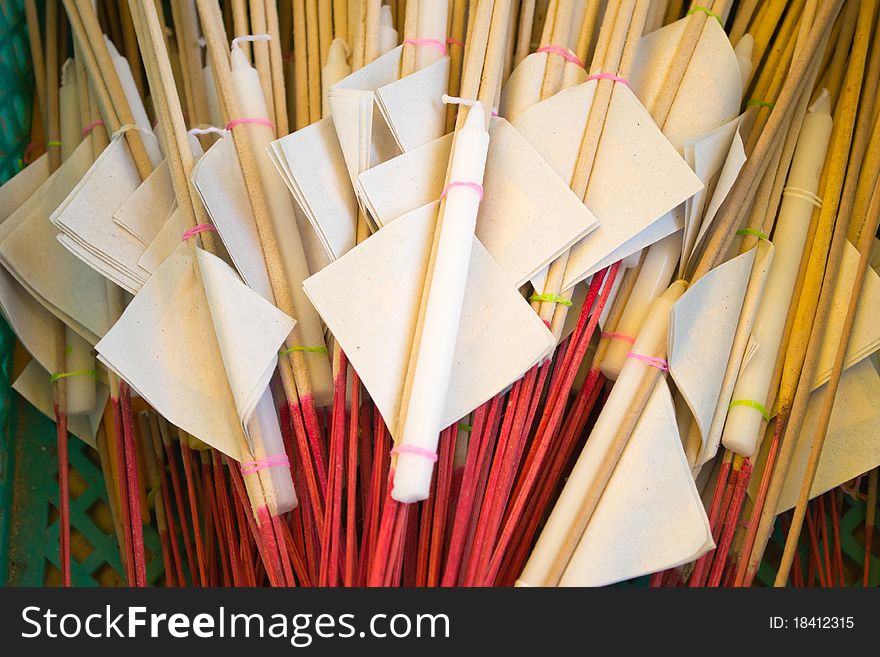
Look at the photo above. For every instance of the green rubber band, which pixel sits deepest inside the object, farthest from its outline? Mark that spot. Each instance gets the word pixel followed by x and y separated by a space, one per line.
pixel 63 375
pixel 708 12
pixel 754 232
pixel 552 298
pixel 465 427
pixel 299 349
pixel 756 102
pixel 53 143
pixel 752 404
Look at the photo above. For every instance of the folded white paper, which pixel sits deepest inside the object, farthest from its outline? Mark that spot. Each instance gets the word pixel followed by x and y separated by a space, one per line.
pixel 370 299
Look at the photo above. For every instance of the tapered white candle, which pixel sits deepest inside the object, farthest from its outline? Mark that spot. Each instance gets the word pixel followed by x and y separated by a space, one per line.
pixel 336 68
pixel 68 109
pixel 387 33
pixel 654 277
pixel 742 431
pixel 253 105
pixel 274 456
pixel 651 342
pixel 434 344
pixel 432 25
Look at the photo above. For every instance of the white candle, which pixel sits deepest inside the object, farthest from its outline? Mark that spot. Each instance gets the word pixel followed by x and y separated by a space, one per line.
pixel 654 277
pixel 432 25
pixel 651 342
pixel 387 33
pixel 133 96
pixel 80 361
pixel 273 453
pixel 214 113
pixel 742 432
pixel 253 105
pixel 434 344
pixel 68 109
pixel 336 68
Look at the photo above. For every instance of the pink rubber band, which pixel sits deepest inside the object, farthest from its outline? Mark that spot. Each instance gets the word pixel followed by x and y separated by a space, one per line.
pixel 91 126
pixel 452 41
pixel 250 467
pixel 439 45
pixel 619 336
pixel 30 148
pixel 565 53
pixel 607 76
pixel 253 121
pixel 416 451
pixel 659 363
pixel 477 187
pixel 195 230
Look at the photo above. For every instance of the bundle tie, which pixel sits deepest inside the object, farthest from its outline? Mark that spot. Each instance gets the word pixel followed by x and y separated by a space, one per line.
pixel 465 427
pixel 253 120
pixel 125 128
pixel 456 100
pixel 757 102
pixel 551 298
pixel 300 349
pixel 708 12
pixel 54 143
pixel 477 187
pixel 434 43
pixel 565 53
pixel 804 194
pixel 761 235
pixel 209 130
pixel 195 230
pixel 64 375
pixel 611 335
pixel 30 148
pixel 751 403
pixel 607 76
pixel 653 361
pixel 415 450
pixel 279 460
pixel 91 126
pixel 452 41
pixel 250 38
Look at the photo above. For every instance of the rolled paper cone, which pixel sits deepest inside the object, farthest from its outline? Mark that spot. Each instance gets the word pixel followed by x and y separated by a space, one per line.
pixel 434 346
pixel 651 342
pixel 273 455
pixel 653 279
pixel 215 116
pixel 743 51
pixel 432 25
pixel 81 386
pixel 742 430
pixel 387 33
pixel 68 108
pixel 253 106
pixel 336 68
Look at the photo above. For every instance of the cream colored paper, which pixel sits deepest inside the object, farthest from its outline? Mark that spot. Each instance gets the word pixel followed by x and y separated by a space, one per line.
pixel 710 92
pixel 163 245
pixel 637 177
pixel 85 218
pixel 523 87
pixel 70 289
pixel 18 189
pixel 852 444
pixel 219 181
pixel 411 109
pixel 143 213
pixel 311 162
pixel 370 297
pixel 159 348
pixel 702 325
pixel 528 215
pixel 650 516
pixel 34 385
pixel 865 336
